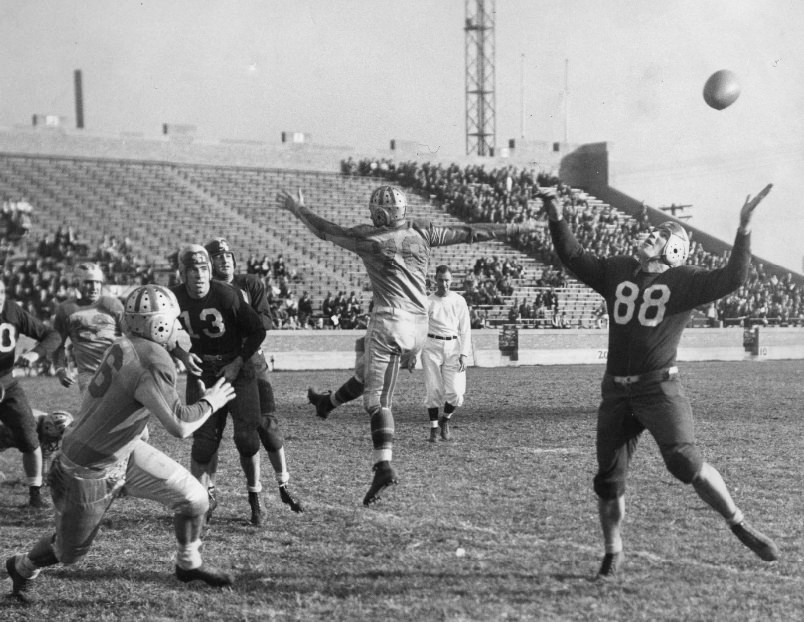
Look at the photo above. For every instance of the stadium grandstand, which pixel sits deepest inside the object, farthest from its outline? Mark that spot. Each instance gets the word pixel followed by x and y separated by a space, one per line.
pixel 130 204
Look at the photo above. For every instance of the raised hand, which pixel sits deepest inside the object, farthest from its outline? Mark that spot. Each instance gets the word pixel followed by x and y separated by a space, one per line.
pixel 289 202
pixel 750 205
pixel 552 203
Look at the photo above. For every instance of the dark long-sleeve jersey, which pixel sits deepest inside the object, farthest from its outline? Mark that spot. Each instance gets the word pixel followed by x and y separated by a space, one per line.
pixel 253 292
pixel 221 323
pixel 15 321
pixel 648 311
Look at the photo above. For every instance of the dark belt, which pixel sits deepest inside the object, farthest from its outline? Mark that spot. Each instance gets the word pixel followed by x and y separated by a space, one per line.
pixel 659 374
pixel 218 358
pixel 442 337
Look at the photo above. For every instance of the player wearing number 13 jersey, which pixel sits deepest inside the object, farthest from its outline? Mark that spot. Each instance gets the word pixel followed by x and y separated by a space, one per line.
pixel 225 333
pixel 650 299
pixel 396 254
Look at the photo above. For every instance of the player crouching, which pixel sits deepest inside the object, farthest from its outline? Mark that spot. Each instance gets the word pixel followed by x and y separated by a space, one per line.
pixel 103 452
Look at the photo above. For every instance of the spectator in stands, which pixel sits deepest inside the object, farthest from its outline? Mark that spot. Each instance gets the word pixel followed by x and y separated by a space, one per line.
pixel 305 310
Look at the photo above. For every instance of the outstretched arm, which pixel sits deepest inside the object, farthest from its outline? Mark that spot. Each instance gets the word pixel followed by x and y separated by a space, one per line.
pixel 321 227
pixel 747 211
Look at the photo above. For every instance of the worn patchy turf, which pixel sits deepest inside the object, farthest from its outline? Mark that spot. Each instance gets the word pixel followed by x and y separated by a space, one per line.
pixel 500 524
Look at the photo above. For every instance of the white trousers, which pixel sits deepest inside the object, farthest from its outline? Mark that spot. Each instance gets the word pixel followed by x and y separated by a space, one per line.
pixel 442 380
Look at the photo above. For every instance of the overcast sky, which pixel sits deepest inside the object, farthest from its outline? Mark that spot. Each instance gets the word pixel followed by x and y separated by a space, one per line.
pixel 361 72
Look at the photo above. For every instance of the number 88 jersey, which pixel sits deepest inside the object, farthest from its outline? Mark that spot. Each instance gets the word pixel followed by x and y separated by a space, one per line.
pixel 648 311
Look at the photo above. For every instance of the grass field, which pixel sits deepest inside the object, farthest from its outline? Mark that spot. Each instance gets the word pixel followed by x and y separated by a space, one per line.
pixel 513 491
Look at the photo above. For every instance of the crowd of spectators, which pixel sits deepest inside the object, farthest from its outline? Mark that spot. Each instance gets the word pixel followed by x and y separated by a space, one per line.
pixel 508 194
pixel 39 275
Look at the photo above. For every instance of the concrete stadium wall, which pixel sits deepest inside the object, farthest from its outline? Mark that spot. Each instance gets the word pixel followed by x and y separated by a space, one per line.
pixel 311 350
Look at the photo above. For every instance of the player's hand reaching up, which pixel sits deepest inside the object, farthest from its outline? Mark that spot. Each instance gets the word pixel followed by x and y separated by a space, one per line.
pixel 747 211
pixel 552 203
pixel 218 395
pixel 289 202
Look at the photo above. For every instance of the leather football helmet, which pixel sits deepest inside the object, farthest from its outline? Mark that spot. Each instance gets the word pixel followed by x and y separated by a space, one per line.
pixel 388 206
pixel 219 246
pixel 193 255
pixel 52 426
pixel 151 312
pixel 677 248
pixel 86 271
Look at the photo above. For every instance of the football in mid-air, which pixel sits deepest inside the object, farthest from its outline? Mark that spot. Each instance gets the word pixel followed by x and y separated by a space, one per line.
pixel 721 89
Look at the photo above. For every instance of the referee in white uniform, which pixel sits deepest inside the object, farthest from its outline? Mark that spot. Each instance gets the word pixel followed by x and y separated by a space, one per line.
pixel 445 353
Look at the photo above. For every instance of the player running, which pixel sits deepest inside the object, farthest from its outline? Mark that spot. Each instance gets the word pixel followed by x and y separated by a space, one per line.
pixel 15 411
pixel 225 333
pixel 91 323
pixel 253 291
pixel 103 452
pixel 650 299
pixel 396 253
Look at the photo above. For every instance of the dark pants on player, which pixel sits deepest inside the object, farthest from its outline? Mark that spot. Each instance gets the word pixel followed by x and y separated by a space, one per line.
pixel 244 408
pixel 17 416
pixel 270 434
pixel 656 403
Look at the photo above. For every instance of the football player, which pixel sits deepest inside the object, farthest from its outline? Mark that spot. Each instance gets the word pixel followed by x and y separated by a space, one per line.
pixel 15 411
pixel 253 291
pixel 650 299
pixel 50 428
pixel 91 323
pixel 103 452
pixel 396 253
pixel 225 333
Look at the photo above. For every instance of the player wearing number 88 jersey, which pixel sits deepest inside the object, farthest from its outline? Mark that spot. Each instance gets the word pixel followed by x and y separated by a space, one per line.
pixel 650 299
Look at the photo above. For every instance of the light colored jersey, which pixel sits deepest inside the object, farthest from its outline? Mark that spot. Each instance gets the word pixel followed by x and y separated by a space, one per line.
pixel 449 317
pixel 135 378
pixel 396 259
pixel 91 329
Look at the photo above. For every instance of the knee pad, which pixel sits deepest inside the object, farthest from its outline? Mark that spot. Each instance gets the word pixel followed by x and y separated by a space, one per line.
pixel 204 449
pixel 608 489
pixel 247 442
pixel 684 462
pixel 270 434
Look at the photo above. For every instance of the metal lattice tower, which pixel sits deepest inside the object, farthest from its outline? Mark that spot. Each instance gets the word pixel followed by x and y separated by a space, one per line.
pixel 481 114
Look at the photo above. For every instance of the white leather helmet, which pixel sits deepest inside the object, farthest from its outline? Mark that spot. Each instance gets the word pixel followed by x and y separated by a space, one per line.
pixel 677 248
pixel 388 206
pixel 151 312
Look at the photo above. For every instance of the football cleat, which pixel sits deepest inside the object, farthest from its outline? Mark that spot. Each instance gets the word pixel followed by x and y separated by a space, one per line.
pixel 321 401
pixel 443 423
pixel 758 542
pixel 611 565
pixel 213 503
pixel 256 510
pixel 384 477
pixel 290 500
pixel 35 499
pixel 433 435
pixel 21 588
pixel 206 573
